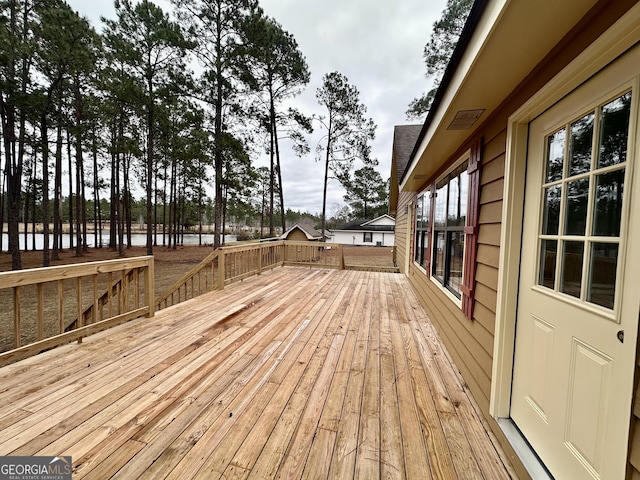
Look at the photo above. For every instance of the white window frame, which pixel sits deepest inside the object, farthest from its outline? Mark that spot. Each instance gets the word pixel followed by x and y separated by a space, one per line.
pixel 424 193
pixel 466 157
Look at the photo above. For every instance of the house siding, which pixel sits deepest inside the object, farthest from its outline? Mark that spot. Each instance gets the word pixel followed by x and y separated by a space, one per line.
pixel 403 225
pixel 297 236
pixel 470 342
pixel 386 239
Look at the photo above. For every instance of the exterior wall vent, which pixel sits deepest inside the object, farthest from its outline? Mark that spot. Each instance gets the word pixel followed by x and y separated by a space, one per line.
pixel 465 119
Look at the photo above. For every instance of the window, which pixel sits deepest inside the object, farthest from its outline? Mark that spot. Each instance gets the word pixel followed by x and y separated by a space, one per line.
pixel 583 193
pixel 445 242
pixel 423 230
pixel 367 237
pixel 450 213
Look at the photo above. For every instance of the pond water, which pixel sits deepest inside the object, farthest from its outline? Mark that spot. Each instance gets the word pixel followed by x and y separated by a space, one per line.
pixel 137 239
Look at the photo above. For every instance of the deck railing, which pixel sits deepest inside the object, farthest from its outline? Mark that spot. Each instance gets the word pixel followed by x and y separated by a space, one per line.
pixel 242 261
pixel 57 305
pixel 51 306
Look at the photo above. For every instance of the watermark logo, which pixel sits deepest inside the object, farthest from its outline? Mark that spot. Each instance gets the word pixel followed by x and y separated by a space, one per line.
pixel 35 468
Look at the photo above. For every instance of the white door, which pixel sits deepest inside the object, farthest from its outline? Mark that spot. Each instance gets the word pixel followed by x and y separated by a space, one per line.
pixel 577 317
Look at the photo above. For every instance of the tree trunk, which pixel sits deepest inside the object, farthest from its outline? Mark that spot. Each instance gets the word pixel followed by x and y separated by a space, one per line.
pixel 271 180
pixel 57 194
pixel 79 179
pixel 150 138
pixel 278 169
pixel 326 180
pixel 155 211
pixel 127 203
pixel 217 137
pixel 30 191
pixel 97 214
pixel 112 203
pixel 164 205
pixel 71 197
pixel 45 187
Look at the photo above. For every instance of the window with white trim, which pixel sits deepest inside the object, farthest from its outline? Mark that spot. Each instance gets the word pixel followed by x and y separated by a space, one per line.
pixel 450 213
pixel 423 230
pixel 367 237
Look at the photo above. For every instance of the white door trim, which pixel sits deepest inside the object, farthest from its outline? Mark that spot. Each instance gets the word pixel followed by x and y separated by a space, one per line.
pixel 623 35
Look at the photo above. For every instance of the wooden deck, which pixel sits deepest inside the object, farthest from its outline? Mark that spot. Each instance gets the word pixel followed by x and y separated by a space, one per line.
pixel 296 373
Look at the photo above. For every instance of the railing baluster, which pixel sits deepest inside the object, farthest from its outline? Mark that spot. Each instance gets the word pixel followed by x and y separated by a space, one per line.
pixel 60 306
pixel 79 301
pixel 110 294
pixel 94 310
pixel 49 326
pixel 136 289
pixel 16 316
pixel 125 287
pixel 40 312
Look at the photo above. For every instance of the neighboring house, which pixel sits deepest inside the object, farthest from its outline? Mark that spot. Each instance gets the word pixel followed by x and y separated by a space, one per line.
pixel 377 232
pixel 515 228
pixel 302 233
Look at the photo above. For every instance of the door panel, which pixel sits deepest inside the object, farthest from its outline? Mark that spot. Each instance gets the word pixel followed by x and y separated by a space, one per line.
pixel 540 365
pixel 573 376
pixel 589 394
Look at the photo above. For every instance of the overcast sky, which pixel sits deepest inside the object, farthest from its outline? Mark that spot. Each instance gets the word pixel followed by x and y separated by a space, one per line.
pixel 376 44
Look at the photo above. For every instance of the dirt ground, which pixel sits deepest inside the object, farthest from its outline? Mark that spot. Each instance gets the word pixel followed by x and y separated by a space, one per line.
pixel 169 264
pixel 369 256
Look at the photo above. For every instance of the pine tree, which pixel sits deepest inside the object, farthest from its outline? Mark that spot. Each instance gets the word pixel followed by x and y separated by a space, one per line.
pixel 219 28
pixel 438 51
pixel 276 70
pixel 154 48
pixel 348 131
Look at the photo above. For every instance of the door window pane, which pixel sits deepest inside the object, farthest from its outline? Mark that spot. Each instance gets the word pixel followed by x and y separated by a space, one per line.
pixel 614 131
pixel 572 268
pixel 580 147
pixel 440 213
pixel 551 210
pixel 589 183
pixel 458 189
pixel 438 256
pixel 555 155
pixel 548 253
pixel 425 249
pixel 602 278
pixel 457 257
pixel 608 207
pixel 576 207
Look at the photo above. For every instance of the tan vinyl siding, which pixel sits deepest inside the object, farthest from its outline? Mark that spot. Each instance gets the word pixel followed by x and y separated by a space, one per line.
pixel 402 242
pixel 297 236
pixel 470 342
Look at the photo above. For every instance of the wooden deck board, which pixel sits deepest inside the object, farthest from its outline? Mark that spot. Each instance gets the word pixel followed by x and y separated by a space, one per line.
pixel 296 373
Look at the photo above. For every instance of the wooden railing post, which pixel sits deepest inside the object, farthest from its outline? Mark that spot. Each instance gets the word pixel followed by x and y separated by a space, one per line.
pixel 341 252
pixel 221 269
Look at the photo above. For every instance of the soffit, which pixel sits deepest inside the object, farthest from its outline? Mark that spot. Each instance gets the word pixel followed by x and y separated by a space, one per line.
pixel 509 41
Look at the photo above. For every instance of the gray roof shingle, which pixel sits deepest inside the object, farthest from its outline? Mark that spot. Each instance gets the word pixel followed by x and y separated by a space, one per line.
pixel 404 140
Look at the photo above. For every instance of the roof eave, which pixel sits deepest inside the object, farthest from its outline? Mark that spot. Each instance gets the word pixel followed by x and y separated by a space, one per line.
pixel 497 33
